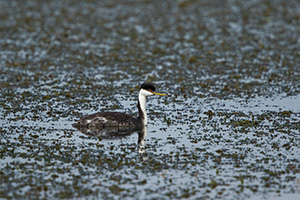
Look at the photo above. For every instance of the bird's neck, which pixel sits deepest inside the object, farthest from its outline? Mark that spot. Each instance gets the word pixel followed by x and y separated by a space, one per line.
pixel 142 109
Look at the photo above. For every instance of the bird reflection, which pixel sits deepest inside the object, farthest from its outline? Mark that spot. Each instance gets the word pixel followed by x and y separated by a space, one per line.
pixel 116 133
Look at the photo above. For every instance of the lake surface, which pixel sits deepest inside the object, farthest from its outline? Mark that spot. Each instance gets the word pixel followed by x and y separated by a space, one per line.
pixel 228 129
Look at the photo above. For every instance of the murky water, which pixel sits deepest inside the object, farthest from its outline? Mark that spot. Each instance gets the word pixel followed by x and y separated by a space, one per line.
pixel 229 129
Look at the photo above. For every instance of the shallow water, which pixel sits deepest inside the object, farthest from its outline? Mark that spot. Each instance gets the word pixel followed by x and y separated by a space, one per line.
pixel 229 128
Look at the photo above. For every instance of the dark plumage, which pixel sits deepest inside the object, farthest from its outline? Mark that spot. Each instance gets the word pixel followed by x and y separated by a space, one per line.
pixel 148 86
pixel 107 119
pixel 116 119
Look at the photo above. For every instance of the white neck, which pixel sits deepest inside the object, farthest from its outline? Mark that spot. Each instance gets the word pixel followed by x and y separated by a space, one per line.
pixel 142 100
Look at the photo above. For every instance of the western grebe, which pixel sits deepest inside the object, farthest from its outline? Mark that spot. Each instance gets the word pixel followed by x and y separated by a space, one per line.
pixel 116 119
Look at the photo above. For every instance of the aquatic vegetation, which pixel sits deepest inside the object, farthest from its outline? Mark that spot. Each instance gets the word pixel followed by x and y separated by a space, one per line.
pixel 228 129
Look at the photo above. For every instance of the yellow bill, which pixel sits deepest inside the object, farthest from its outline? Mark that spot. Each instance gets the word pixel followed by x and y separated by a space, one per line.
pixel 160 94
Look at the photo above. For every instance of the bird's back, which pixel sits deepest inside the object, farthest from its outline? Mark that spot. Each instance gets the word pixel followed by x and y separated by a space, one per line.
pixel 108 119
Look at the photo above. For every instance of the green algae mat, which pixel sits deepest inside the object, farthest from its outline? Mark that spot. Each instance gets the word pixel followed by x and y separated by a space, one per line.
pixel 228 129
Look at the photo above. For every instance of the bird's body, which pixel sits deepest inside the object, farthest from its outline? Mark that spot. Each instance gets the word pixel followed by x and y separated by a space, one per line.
pixel 116 119
pixel 109 119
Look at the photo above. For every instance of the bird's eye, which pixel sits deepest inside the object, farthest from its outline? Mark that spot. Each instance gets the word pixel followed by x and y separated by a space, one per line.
pixel 149 90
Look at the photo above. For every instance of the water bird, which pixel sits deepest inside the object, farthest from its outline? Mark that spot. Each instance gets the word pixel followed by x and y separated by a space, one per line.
pixel 117 119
